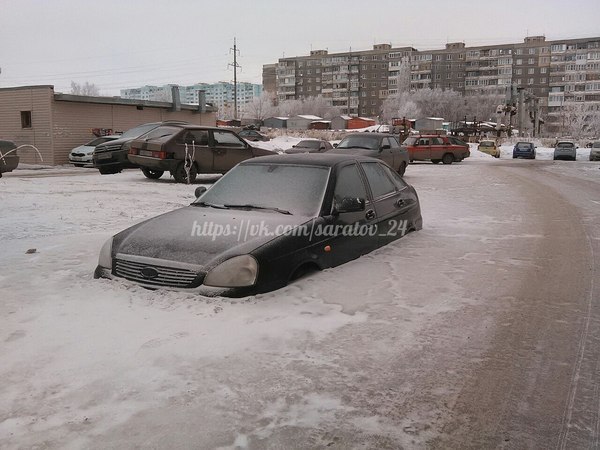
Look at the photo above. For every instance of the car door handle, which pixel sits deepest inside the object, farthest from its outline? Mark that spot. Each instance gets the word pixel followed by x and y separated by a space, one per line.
pixel 370 214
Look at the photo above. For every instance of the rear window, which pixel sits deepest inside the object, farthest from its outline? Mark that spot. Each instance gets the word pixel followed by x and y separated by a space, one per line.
pixel 486 144
pixel 565 144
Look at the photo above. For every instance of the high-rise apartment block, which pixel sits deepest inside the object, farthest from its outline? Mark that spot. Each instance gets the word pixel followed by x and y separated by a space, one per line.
pixel 359 81
pixel 219 94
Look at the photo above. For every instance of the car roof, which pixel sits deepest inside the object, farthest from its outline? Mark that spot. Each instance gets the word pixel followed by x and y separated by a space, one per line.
pixel 309 159
pixel 366 133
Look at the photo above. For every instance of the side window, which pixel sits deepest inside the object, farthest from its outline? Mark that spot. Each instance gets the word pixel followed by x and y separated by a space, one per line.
pixel 397 179
pixel 394 142
pixel 423 141
pixel 437 141
pixel 200 137
pixel 227 139
pixel 378 180
pixel 349 184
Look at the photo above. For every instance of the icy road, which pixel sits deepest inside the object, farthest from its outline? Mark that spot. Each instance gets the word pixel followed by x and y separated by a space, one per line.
pixel 480 331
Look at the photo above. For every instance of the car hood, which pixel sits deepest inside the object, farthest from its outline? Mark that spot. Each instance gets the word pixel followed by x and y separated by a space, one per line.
pixel 86 149
pixel 301 150
pixel 191 234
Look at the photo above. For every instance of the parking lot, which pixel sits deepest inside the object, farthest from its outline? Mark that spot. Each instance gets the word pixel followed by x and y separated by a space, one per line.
pixel 478 331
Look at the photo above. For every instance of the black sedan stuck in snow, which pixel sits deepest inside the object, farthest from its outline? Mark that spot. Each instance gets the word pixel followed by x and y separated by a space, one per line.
pixel 266 222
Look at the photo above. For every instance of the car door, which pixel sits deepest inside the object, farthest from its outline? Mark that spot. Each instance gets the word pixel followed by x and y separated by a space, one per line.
pixel 352 237
pixel 397 158
pixel 228 150
pixel 193 144
pixel 388 199
pixel 422 149
pixel 385 151
pixel 437 148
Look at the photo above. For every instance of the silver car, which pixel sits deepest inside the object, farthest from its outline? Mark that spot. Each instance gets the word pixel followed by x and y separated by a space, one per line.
pixel 595 151
pixel 565 150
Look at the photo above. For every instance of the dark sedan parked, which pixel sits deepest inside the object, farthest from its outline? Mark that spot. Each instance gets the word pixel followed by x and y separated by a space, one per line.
pixel 185 150
pixel 266 222
pixel 310 146
pixel 524 150
pixel 376 145
pixel 253 135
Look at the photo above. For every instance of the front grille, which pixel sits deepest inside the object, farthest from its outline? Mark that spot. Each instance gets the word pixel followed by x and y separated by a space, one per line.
pixel 107 148
pixel 167 276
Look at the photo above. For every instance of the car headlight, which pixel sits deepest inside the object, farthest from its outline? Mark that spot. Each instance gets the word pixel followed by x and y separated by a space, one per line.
pixel 238 271
pixel 105 258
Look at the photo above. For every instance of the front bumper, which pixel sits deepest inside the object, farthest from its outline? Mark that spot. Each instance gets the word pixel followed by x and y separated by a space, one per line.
pixel 207 291
pixel 111 159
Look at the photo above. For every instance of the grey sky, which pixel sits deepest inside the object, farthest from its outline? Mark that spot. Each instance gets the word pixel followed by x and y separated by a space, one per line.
pixel 128 43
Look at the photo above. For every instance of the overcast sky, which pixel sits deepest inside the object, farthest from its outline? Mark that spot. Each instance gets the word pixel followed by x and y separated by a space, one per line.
pixel 130 43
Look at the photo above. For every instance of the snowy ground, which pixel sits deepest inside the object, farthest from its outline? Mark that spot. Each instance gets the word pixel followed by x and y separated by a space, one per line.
pixel 335 360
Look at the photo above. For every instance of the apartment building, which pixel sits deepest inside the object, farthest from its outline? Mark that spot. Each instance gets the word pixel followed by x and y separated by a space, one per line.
pixel 220 95
pixel 358 82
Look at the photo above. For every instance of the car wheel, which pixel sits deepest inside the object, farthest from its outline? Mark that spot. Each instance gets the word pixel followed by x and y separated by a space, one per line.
pixel 152 174
pixel 448 158
pixel 181 176
pixel 108 170
pixel 402 169
pixel 436 161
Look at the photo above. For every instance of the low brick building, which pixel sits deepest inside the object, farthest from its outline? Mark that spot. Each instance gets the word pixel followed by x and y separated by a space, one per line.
pixel 56 123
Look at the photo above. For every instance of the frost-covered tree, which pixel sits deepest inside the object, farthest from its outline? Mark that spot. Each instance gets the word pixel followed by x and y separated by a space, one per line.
pixel 88 89
pixel 400 105
pixel 260 107
pixel 579 119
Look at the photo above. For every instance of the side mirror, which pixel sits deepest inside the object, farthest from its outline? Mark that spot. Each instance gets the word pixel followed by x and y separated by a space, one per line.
pixel 335 145
pixel 200 190
pixel 350 204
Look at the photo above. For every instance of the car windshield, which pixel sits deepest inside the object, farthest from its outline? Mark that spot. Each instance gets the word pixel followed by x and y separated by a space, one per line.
pixel 99 141
pixel 360 141
pixel 138 131
pixel 308 144
pixel 297 189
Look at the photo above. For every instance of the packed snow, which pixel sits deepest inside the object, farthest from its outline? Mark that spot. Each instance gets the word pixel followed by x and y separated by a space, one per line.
pixel 99 363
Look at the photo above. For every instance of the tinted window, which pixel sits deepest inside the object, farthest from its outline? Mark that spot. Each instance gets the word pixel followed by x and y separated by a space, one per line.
pixel 378 180
pixel 397 179
pixel 298 189
pixel 349 184
pixel 423 141
pixel 196 137
pixel 565 144
pixel 228 139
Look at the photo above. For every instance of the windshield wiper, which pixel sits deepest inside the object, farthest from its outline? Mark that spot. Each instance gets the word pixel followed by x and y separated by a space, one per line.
pixel 211 205
pixel 282 211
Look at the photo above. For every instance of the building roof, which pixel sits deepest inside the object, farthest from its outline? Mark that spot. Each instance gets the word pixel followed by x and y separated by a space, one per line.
pixel 307 117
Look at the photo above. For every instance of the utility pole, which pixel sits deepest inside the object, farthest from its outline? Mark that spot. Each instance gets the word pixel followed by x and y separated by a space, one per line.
pixel 235 66
pixel 520 111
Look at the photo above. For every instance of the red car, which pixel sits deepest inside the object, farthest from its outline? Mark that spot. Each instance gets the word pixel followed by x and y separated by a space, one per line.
pixel 436 148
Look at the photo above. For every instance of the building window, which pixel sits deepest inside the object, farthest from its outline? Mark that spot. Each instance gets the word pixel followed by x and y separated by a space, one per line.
pixel 531 71
pixel 25 119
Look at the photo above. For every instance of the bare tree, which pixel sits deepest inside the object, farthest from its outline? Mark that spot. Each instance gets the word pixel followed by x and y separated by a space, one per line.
pixel 88 89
